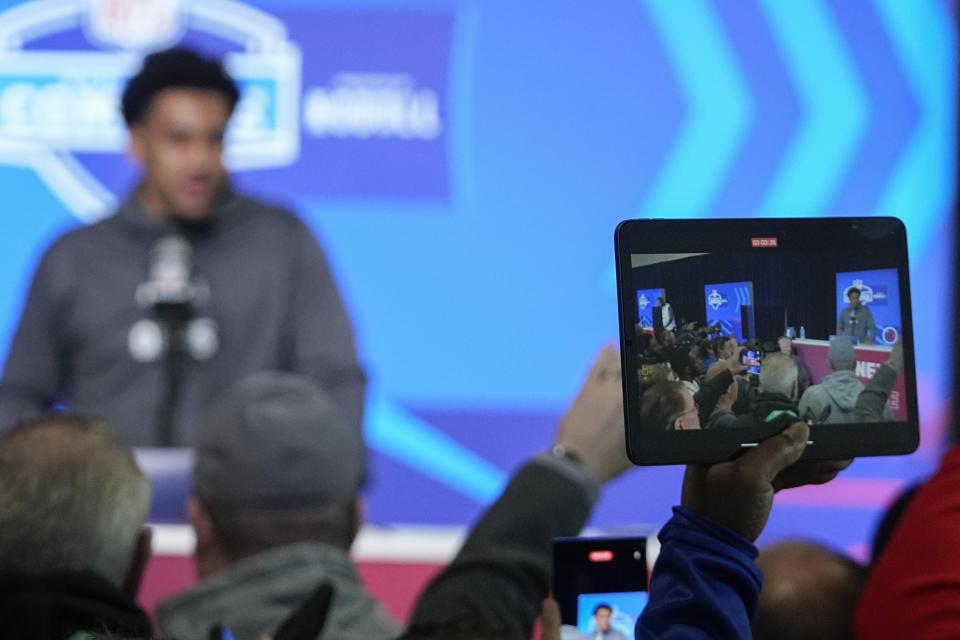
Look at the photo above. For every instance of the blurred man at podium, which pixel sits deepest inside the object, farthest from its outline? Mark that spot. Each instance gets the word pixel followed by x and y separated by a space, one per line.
pixel 147 315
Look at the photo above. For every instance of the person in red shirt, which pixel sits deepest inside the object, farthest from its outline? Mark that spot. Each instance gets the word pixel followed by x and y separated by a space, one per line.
pixel 914 588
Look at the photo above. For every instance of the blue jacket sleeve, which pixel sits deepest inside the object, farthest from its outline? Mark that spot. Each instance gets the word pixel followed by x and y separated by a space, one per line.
pixel 705 583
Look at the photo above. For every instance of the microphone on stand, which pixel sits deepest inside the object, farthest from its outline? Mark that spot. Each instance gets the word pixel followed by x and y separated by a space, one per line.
pixel 172 297
pixel 169 290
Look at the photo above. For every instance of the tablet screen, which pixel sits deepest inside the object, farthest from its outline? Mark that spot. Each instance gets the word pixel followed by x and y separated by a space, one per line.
pixel 810 318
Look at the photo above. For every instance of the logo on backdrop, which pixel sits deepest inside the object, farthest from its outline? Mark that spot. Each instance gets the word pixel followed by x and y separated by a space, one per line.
pixel 889 335
pixel 59 107
pixel 643 302
pixel 55 104
pixel 134 24
pixel 715 300
pixel 368 105
pixel 875 295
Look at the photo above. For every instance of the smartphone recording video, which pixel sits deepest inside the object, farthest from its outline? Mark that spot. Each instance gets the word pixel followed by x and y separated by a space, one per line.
pixel 751 360
pixel 600 585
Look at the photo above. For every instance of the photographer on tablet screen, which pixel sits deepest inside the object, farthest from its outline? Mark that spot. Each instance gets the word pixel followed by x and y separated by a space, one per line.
pixel 777 401
pixel 721 415
pixel 872 402
pixel 670 406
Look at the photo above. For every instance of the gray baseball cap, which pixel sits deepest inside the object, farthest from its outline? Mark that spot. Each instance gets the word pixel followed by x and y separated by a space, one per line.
pixel 277 440
pixel 841 351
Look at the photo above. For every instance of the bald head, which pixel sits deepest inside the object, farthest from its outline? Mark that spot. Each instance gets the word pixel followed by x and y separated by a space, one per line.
pixel 778 374
pixel 785 345
pixel 809 591
pixel 72 499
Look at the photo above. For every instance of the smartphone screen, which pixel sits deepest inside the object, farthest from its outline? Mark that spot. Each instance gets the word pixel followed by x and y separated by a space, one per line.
pixel 751 359
pixel 600 584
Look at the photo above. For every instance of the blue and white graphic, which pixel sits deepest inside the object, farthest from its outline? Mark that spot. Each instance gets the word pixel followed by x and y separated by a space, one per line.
pixel 59 115
pixel 715 299
pixel 465 164
pixel 375 116
pixel 646 301
pixel 723 304
pixel 626 606
pixel 56 103
pixel 880 292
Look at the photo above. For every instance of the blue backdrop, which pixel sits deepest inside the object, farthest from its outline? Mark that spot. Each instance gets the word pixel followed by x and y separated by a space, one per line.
pixel 646 300
pixel 465 164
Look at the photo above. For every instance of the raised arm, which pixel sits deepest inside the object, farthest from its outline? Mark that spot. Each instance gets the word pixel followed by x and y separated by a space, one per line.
pixel 495 585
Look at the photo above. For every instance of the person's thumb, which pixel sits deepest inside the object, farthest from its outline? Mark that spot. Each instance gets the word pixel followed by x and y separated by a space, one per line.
pixel 776 453
pixel 550 620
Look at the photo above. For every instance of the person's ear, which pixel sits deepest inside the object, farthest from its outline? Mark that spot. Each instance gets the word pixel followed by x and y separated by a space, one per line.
pixel 202 524
pixel 138 564
pixel 138 148
pixel 359 516
pixel 208 554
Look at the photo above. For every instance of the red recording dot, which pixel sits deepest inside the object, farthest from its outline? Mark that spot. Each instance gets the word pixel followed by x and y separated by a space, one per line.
pixel 601 556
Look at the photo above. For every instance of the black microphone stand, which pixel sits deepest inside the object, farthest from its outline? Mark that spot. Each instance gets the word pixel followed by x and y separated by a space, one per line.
pixel 174 318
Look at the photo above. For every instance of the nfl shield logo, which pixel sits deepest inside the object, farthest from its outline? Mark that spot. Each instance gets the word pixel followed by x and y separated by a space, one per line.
pixel 890 335
pixel 134 24
pixel 58 102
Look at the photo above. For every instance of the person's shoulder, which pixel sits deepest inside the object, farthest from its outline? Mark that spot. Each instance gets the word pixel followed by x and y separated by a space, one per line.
pixel 722 418
pixel 272 224
pixel 77 238
pixel 744 421
pixel 813 393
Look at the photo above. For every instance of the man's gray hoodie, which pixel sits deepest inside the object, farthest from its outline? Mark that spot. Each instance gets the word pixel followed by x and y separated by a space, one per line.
pixel 839 391
pixel 256 595
pixel 272 297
